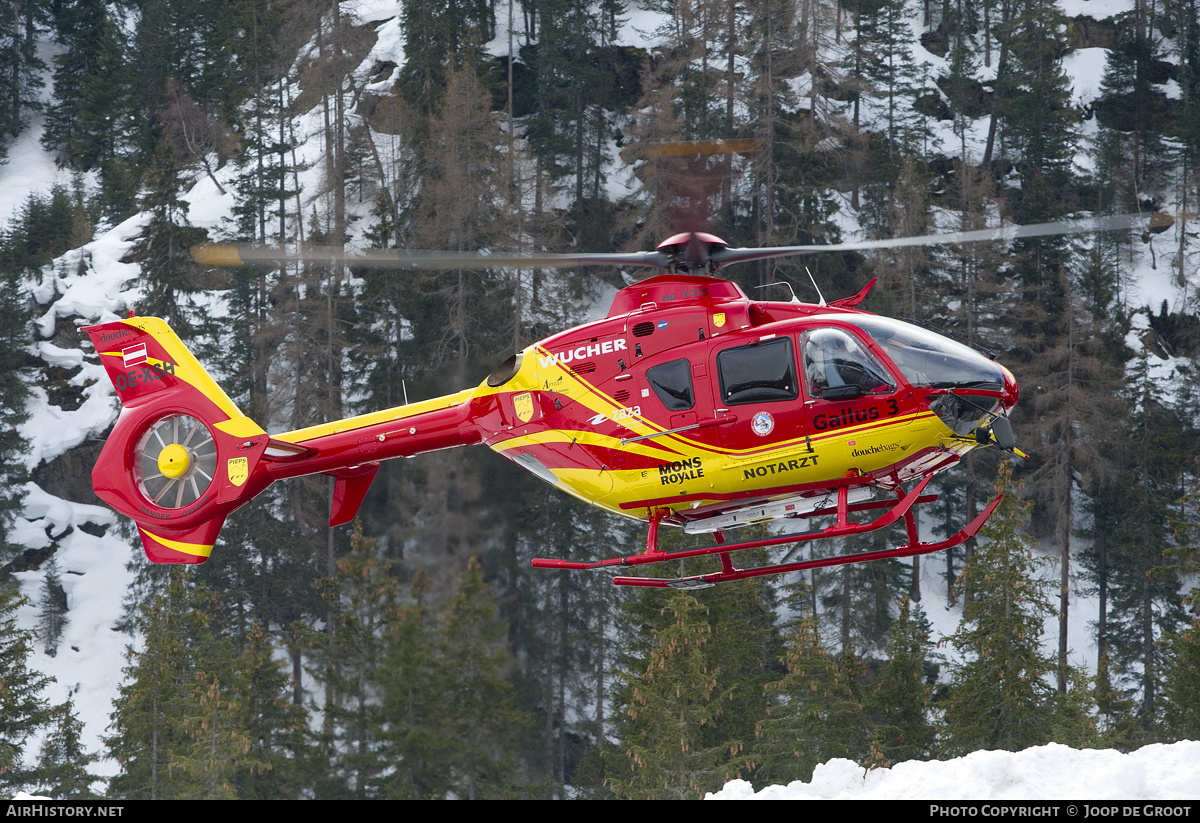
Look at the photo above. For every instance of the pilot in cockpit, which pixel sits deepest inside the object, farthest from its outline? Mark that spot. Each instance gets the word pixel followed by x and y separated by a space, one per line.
pixel 833 360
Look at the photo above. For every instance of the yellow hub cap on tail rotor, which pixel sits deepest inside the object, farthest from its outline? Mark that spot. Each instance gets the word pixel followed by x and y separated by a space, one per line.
pixel 174 461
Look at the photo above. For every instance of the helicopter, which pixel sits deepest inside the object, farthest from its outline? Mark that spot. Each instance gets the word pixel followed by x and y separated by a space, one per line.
pixel 688 405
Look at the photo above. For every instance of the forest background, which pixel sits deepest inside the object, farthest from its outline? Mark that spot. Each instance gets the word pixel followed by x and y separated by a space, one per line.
pixel 416 655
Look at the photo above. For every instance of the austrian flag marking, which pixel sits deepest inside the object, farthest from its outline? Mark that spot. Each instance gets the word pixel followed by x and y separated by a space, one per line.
pixel 134 355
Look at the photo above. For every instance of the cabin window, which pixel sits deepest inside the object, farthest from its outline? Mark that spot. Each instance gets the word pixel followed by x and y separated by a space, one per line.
pixel 758 373
pixel 672 382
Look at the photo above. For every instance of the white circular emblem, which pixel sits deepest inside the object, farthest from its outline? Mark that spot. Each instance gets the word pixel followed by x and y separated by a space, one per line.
pixel 763 424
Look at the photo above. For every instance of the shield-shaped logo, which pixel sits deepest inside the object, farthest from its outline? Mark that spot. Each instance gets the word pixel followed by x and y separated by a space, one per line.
pixel 523 406
pixel 719 319
pixel 239 470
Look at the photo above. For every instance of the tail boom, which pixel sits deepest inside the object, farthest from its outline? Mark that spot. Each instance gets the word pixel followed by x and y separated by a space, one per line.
pixel 182 456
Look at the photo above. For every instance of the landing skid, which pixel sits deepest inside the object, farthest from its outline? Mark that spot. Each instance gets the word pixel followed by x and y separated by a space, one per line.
pixel 903 509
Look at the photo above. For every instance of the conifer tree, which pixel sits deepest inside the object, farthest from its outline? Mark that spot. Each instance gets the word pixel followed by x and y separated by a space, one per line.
pixel 276 762
pixel 90 86
pixel 1131 104
pixel 158 705
pixel 667 699
pixel 245 740
pixel 573 76
pixel 1181 711
pixel 1184 19
pixel 20 66
pixel 168 270
pixel 438 40
pixel 23 707
pixel 62 770
pixel 999 696
pixel 885 61
pixel 361 599
pixel 206 764
pixel 14 361
pixel 411 712
pixel 53 608
pixel 819 712
pixel 480 722
pixel 901 699
pixel 745 651
pixel 1142 583
pixel 1117 724
pixel 1181 648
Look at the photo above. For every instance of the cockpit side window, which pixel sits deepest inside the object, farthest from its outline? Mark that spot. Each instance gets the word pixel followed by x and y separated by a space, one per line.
pixel 672 382
pixel 762 371
pixel 836 365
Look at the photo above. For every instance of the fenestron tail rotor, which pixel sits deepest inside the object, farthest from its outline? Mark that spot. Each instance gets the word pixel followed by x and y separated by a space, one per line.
pixel 176 461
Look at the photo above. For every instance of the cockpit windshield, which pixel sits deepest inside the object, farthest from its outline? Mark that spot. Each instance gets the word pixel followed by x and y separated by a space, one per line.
pixel 928 359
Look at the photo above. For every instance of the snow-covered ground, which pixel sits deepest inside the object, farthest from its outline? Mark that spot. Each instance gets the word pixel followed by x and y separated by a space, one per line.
pixel 1052 772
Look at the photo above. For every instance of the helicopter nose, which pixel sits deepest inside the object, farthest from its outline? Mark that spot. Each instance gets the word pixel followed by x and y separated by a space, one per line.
pixel 1011 391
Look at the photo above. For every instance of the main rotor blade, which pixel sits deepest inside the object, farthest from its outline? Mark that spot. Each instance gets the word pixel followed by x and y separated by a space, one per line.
pixel 725 257
pixel 237 254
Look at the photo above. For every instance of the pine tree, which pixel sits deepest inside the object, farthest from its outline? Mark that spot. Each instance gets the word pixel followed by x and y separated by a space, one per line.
pixel 437 41
pixel 666 701
pixel 885 61
pixel 20 66
pixel 574 79
pixel 361 598
pixel 245 739
pixel 999 696
pixel 1181 666
pixel 1142 584
pixel 168 270
pixel 1033 97
pixel 23 708
pixel 53 608
pixel 480 723
pixel 819 712
pixel 158 707
pixel 902 695
pixel 276 763
pixel 1131 103
pixel 1117 724
pixel 14 361
pixel 62 770
pixel 1181 648
pixel 745 651
pixel 411 713
pixel 90 87
pixel 1184 19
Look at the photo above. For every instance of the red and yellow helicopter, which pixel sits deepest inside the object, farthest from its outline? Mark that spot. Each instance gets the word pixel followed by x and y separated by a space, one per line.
pixel 688 405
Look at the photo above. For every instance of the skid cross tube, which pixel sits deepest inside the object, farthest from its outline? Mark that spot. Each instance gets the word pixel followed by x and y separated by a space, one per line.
pixel 902 508
pixel 728 573
pixel 653 555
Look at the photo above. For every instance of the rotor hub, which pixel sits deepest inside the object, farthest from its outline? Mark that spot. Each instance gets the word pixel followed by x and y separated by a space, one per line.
pixel 174 461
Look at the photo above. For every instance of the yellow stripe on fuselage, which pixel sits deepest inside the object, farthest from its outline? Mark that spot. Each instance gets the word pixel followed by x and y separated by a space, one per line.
pixel 708 469
pixel 709 474
pixel 362 421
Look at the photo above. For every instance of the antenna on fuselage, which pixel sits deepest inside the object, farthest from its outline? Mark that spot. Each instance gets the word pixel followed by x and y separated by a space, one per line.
pixel 814 282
